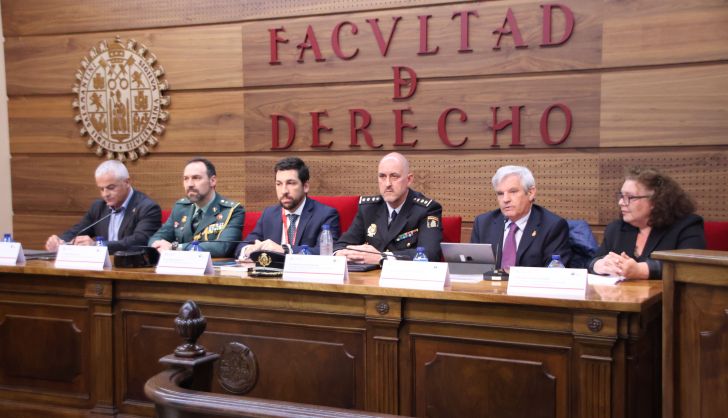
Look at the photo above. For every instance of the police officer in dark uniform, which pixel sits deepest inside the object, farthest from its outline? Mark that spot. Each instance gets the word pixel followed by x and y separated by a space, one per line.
pixel 397 221
pixel 203 215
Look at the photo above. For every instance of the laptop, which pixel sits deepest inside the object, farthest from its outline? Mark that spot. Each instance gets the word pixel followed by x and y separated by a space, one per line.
pixel 468 261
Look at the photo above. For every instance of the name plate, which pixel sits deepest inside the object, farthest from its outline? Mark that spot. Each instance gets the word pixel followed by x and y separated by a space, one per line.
pixel 547 282
pixel 11 254
pixel 315 269
pixel 82 257
pixel 414 275
pixel 188 263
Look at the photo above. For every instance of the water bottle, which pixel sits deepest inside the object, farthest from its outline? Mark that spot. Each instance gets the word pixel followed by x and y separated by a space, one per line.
pixel 194 246
pixel 326 241
pixel 555 262
pixel 305 250
pixel 100 241
pixel 7 238
pixel 420 255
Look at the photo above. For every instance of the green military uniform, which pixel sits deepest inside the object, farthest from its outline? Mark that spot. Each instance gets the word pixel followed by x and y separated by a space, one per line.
pixel 222 222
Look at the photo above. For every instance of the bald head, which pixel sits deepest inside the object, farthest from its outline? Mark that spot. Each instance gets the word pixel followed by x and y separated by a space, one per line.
pixel 394 179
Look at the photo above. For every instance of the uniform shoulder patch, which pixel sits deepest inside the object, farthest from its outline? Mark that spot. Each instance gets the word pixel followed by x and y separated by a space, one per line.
pixel 228 203
pixel 422 201
pixel 369 199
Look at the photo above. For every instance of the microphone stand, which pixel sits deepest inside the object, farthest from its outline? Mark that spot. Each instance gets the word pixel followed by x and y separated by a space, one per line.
pixel 111 212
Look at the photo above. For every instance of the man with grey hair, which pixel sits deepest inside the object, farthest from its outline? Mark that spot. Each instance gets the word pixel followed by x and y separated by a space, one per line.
pixel 124 217
pixel 524 233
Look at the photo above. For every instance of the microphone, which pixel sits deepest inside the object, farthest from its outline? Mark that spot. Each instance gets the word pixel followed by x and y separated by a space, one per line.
pixel 385 255
pixel 497 273
pixel 111 212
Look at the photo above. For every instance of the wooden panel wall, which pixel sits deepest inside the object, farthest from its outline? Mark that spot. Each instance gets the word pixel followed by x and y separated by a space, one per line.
pixel 646 81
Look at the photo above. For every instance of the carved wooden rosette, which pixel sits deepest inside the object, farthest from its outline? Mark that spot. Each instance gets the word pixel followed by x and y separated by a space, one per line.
pixel 237 369
pixel 190 324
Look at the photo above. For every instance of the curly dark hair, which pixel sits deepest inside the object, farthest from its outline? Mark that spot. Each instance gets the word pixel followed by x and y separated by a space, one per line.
pixel 670 203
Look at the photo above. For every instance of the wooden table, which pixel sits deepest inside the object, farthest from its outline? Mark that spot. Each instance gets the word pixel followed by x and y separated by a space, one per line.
pixel 695 333
pixel 75 341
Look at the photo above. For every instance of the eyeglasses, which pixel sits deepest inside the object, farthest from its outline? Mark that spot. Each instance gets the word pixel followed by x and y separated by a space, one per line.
pixel 627 198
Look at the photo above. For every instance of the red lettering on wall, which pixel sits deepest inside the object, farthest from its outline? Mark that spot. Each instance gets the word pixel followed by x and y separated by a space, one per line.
pixel 316 128
pixel 274 41
pixel 465 29
pixel 514 122
pixel 510 22
pixel 275 119
pixel 400 126
pixel 355 130
pixel 400 82
pixel 568 24
pixel 423 37
pixel 383 47
pixel 442 127
pixel 310 42
pixel 336 40
pixel 544 125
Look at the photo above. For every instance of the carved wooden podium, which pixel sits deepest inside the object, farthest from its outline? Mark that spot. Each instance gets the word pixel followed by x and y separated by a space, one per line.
pixel 695 333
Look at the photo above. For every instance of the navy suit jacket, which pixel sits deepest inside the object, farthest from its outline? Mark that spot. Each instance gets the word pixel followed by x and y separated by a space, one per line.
pixel 142 218
pixel 313 217
pixel 619 236
pixel 545 234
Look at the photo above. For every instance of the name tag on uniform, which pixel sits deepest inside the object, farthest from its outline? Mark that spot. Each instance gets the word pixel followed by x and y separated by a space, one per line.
pixel 82 257
pixel 11 254
pixel 188 263
pixel 414 275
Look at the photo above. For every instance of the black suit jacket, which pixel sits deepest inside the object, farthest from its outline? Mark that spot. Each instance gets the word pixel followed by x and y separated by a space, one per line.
pixel 619 236
pixel 419 224
pixel 142 218
pixel 313 217
pixel 545 234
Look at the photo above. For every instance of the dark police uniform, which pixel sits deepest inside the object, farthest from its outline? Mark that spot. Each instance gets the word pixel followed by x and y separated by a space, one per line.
pixel 222 221
pixel 418 224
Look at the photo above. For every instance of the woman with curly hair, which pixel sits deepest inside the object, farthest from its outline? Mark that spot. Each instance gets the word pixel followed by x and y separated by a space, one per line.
pixel 656 215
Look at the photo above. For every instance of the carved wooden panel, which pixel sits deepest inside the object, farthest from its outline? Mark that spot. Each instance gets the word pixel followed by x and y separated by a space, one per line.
pixel 297 361
pixel 460 378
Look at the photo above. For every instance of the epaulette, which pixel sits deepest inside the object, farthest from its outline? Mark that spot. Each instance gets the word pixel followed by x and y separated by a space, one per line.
pixel 422 201
pixel 370 199
pixel 228 203
pixel 183 201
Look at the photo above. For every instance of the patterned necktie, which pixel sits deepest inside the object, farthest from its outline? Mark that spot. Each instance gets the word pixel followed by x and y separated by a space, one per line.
pixel 291 228
pixel 392 218
pixel 509 248
pixel 196 218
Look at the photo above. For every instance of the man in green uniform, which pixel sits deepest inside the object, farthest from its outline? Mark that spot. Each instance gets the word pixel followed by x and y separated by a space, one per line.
pixel 203 215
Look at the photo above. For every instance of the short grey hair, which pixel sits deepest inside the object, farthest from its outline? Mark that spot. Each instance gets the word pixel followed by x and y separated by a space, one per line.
pixel 115 167
pixel 523 173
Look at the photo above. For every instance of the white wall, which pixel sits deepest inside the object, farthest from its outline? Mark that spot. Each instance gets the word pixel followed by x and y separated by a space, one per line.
pixel 6 201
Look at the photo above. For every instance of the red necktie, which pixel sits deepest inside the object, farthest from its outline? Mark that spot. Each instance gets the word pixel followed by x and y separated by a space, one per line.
pixel 509 248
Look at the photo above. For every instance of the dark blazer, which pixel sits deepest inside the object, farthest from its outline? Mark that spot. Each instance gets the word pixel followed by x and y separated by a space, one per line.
pixel 545 234
pixel 141 219
pixel 619 236
pixel 419 224
pixel 313 217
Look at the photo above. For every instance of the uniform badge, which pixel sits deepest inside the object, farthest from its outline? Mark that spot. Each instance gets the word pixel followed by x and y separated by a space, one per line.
pixel 372 230
pixel 264 260
pixel 176 224
pixel 219 216
pixel 184 219
pixel 433 222
pixel 214 209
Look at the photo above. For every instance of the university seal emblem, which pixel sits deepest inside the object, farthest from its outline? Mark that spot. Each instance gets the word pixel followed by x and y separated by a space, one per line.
pixel 119 99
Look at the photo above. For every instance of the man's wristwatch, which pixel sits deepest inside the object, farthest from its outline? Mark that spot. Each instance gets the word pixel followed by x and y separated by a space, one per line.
pixel 175 245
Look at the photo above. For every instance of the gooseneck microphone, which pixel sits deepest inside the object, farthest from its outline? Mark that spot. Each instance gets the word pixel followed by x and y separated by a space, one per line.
pixel 379 253
pixel 111 212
